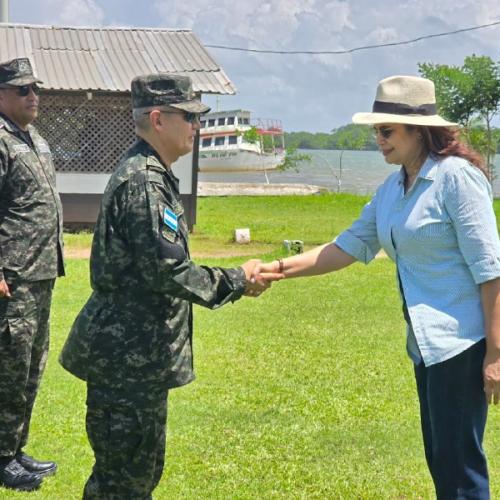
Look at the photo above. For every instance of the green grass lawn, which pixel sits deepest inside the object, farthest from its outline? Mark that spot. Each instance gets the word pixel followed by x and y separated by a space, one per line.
pixel 305 392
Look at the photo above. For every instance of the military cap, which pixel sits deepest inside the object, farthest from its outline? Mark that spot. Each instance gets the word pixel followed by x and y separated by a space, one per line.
pixel 166 89
pixel 17 72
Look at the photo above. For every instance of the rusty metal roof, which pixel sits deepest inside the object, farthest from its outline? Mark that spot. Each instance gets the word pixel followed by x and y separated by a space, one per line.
pixel 69 58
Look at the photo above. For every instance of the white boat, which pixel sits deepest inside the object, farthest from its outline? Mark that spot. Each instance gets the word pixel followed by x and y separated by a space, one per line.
pixel 231 141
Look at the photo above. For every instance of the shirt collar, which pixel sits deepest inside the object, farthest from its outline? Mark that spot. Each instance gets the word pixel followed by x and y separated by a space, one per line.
pixel 12 128
pixel 427 171
pixel 429 168
pixel 8 124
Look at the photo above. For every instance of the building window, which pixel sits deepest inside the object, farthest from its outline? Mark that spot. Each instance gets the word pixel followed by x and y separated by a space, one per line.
pixel 233 139
pixel 206 142
pixel 203 123
pixel 219 141
pixel 221 121
pixel 245 121
pixel 230 120
pixel 211 122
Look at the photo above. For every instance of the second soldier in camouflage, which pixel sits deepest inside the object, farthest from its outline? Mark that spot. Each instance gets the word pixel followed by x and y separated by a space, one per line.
pixel 30 260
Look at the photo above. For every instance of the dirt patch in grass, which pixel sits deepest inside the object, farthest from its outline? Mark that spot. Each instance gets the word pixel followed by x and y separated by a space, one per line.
pixel 76 253
pixel 221 252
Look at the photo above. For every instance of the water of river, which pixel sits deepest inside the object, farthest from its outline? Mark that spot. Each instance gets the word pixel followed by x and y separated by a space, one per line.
pixel 362 172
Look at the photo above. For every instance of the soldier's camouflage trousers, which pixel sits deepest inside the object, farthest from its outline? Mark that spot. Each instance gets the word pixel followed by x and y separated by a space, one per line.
pixel 24 344
pixel 129 449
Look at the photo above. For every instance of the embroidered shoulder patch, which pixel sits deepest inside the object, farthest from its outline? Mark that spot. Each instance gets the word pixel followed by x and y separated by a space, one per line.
pixel 170 219
pixel 21 148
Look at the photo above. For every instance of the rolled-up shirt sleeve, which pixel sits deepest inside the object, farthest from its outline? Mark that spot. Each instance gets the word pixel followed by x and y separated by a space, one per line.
pixel 468 201
pixel 361 240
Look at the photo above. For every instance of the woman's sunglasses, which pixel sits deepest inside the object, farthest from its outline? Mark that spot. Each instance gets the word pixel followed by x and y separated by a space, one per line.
pixel 384 132
pixel 24 90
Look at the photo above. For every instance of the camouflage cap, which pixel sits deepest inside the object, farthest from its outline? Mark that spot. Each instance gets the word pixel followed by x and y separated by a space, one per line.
pixel 166 89
pixel 17 72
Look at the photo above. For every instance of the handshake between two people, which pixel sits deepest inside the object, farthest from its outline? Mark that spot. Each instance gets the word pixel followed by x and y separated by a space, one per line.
pixel 260 276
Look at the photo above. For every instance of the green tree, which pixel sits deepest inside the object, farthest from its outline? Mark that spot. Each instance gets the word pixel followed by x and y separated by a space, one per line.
pixel 469 95
pixel 251 135
pixel 293 158
pixel 496 137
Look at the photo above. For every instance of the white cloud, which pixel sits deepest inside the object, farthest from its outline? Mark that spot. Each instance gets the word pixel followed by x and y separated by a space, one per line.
pixel 59 12
pixel 77 12
pixel 382 35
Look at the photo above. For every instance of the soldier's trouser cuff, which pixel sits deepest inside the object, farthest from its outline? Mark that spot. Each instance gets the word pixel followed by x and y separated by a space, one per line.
pixel 129 450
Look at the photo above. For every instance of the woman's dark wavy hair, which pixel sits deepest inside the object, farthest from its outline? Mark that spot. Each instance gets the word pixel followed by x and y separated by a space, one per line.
pixel 445 141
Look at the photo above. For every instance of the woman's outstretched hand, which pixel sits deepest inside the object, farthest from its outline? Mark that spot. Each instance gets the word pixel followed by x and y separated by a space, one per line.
pixel 257 282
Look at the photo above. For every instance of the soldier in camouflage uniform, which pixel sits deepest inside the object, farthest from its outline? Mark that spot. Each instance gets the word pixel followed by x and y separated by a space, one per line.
pixel 132 341
pixel 30 260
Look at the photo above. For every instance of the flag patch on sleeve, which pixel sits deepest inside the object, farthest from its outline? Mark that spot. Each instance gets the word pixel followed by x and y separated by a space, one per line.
pixel 170 219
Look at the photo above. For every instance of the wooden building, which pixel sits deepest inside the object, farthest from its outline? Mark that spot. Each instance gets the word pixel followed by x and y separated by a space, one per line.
pixel 85 109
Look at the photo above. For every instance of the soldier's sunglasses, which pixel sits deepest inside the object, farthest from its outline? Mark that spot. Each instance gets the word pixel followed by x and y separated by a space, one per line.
pixel 24 90
pixel 187 115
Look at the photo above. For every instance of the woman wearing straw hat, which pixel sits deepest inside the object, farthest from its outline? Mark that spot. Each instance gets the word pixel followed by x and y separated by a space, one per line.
pixel 434 219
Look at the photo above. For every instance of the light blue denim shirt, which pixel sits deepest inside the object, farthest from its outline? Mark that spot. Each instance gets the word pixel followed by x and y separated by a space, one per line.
pixel 443 237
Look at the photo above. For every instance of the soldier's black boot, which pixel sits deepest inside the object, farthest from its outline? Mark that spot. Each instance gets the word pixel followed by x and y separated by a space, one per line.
pixel 32 465
pixel 13 475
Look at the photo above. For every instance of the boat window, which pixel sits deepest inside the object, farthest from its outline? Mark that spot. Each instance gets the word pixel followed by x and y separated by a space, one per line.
pixel 219 141
pixel 206 142
pixel 203 123
pixel 233 139
pixel 245 121
pixel 222 121
pixel 230 120
pixel 211 122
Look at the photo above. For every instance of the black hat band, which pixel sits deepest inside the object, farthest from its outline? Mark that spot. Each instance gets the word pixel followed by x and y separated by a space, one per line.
pixel 397 108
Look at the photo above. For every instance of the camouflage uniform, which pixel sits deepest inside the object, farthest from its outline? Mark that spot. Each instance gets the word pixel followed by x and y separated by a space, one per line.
pixel 132 341
pixel 30 259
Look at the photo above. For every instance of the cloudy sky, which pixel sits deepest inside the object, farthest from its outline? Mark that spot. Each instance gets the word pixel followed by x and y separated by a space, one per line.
pixel 314 93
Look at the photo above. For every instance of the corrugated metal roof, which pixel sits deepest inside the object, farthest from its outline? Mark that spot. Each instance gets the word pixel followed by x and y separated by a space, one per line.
pixel 68 58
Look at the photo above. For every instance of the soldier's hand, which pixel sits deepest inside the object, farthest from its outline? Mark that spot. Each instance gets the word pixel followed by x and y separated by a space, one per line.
pixel 4 289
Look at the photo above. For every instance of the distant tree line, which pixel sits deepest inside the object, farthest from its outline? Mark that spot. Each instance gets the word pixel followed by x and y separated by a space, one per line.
pixel 361 134
pixel 335 139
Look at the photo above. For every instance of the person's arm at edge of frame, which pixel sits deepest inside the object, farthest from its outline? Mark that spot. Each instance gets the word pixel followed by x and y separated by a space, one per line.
pixel 490 297
pixel 319 260
pixel 4 287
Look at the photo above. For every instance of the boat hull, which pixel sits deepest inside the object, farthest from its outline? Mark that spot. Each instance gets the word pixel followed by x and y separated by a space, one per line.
pixel 237 160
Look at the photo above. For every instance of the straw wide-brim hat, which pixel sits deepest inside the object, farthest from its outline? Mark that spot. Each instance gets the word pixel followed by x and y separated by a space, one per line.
pixel 404 99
